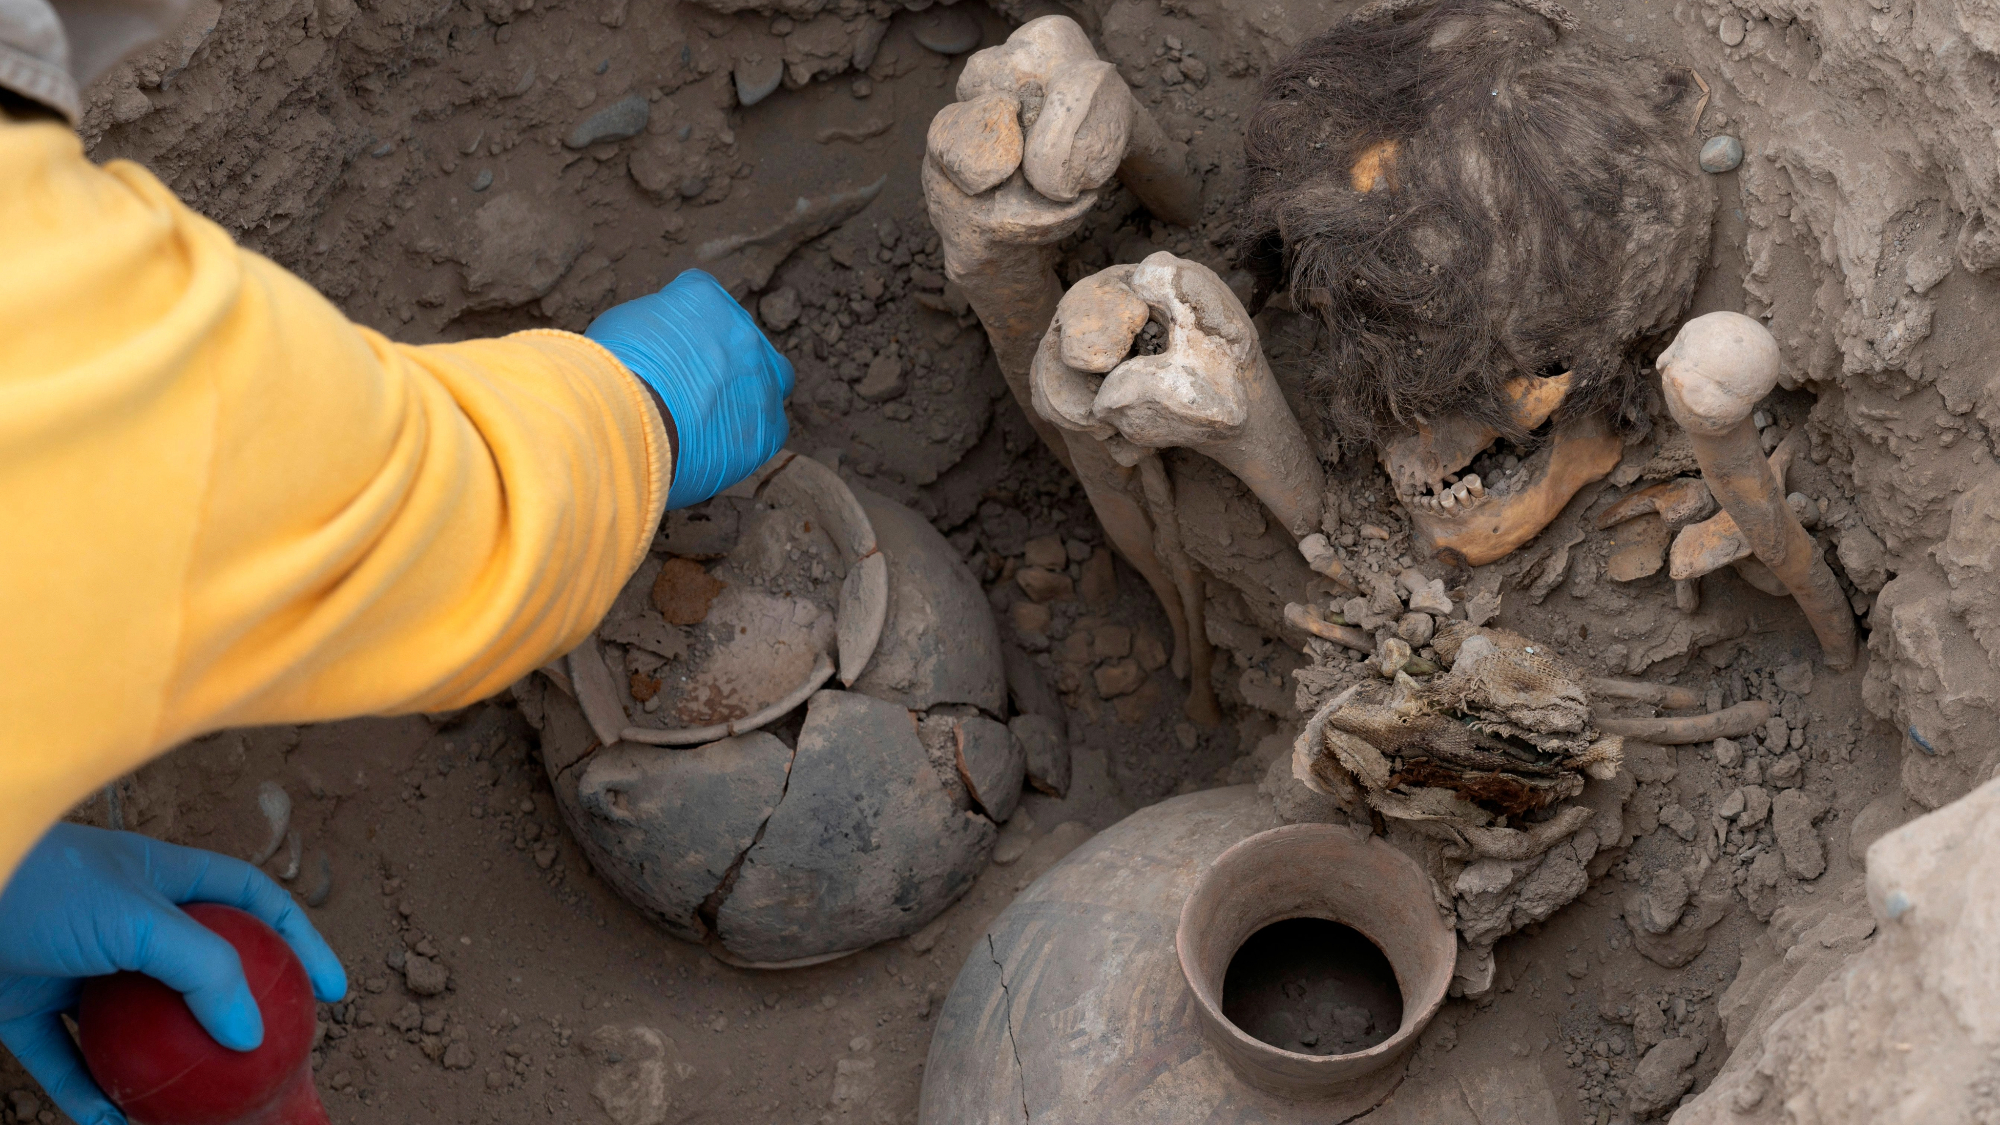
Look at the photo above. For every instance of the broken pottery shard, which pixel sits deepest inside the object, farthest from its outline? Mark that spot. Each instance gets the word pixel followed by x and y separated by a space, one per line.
pixel 621 119
pixel 992 764
pixel 1483 607
pixel 939 642
pixel 704 532
pixel 1638 549
pixel 760 254
pixel 672 823
pixel 1045 752
pixel 1792 816
pixel 684 591
pixel 649 633
pixel 978 143
pixel 757 78
pixel 866 845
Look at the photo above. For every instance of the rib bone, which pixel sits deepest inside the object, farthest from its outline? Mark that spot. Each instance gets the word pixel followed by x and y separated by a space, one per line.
pixel 1714 373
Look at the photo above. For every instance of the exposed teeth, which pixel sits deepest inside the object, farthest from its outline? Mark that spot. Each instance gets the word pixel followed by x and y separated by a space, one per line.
pixel 1473 485
pixel 1447 500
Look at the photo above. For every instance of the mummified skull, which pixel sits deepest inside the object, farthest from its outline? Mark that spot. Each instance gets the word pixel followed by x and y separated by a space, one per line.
pixel 1485 210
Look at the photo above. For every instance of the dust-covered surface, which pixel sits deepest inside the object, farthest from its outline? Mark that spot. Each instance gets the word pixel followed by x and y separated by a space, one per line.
pixel 442 170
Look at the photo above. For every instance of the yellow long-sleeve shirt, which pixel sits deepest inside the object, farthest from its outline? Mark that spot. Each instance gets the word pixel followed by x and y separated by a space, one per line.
pixel 223 504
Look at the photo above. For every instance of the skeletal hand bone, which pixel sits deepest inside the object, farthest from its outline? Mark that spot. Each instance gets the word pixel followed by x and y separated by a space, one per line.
pixel 1484 520
pixel 1210 390
pixel 1717 369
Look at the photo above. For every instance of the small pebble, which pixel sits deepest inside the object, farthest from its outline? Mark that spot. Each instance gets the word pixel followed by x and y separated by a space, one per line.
pixel 1732 30
pixel 757 79
pixel 948 31
pixel 1722 153
pixel 483 180
pixel 623 118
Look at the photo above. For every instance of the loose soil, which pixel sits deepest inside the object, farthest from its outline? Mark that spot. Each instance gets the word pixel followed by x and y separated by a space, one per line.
pixel 411 161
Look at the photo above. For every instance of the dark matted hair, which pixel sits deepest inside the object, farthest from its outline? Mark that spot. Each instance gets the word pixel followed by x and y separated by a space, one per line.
pixel 1539 209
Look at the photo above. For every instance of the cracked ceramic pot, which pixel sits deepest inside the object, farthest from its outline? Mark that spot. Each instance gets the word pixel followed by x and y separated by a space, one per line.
pixel 1076 1008
pixel 806 822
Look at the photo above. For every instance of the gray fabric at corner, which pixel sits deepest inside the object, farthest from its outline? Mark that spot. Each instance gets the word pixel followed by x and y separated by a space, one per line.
pixel 51 49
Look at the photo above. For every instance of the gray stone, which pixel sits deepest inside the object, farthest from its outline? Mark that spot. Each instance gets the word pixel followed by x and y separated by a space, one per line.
pixel 665 826
pixel 940 643
pixel 1666 897
pixel 1721 153
pixel 865 847
pixel 1045 752
pixel 483 180
pixel 1662 1076
pixel 1792 816
pixel 948 31
pixel 623 118
pixel 1756 806
pixel 1728 754
pixel 993 765
pixel 1796 677
pixel 758 78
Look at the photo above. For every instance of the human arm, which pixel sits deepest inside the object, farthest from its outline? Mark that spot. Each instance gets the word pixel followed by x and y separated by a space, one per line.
pixel 227 505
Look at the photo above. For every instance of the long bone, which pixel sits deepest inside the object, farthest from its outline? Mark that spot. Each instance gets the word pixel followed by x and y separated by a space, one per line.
pixel 1714 373
pixel 1011 170
pixel 1014 167
pixel 1210 390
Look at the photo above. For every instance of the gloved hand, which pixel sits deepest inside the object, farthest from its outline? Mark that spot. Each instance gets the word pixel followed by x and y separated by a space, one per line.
pixel 87 902
pixel 722 381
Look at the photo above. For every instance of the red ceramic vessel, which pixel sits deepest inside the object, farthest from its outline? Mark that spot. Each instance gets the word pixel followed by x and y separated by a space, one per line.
pixel 155 1062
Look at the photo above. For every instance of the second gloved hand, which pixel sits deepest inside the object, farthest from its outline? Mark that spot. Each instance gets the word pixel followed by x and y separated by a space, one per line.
pixel 86 903
pixel 721 380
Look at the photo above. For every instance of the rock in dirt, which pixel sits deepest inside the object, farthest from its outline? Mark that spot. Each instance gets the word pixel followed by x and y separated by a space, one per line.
pixel 1665 898
pixel 684 591
pixel 948 31
pixel 626 117
pixel 1721 153
pixel 779 309
pixel 1792 816
pixel 759 254
pixel 1877 819
pixel 1044 585
pixel 992 764
pixel 866 846
pixel 424 976
pixel 1662 1076
pixel 884 381
pixel 637 1069
pixel 757 78
pixel 515 250
pixel 1044 751
pixel 1118 677
pixel 1100 578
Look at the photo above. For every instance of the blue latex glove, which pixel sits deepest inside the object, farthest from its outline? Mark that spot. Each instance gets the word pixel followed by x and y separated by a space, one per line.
pixel 723 383
pixel 87 902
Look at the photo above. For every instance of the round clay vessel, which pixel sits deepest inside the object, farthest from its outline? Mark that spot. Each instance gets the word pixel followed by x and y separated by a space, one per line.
pixel 1340 875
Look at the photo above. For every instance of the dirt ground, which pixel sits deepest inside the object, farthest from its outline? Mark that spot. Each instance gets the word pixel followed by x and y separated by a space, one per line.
pixel 414 162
